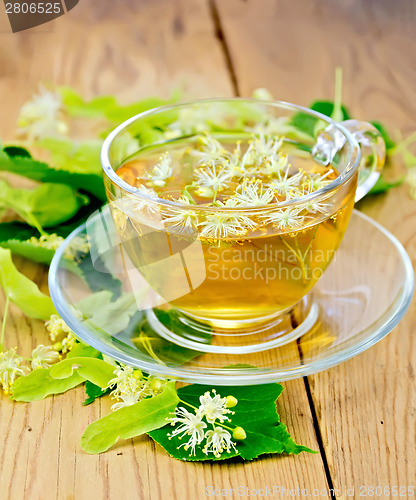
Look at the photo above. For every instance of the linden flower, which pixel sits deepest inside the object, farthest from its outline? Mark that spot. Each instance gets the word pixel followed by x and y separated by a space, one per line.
pixel 40 117
pixel 192 425
pixel 126 400
pixel 127 381
pixel 10 368
pixel 223 225
pixel 139 205
pixel 284 185
pixel 317 181
pixel 253 194
pixel 218 441
pixel 213 408
pixel 43 357
pixel 57 327
pixel 189 121
pixel 210 178
pixel 182 218
pixel 211 152
pixel 286 218
pixel 68 343
pixel 161 171
pixel 275 165
pixel 261 150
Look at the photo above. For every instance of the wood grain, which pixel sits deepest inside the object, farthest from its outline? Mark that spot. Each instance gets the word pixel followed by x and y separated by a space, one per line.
pixel 132 50
pixel 365 408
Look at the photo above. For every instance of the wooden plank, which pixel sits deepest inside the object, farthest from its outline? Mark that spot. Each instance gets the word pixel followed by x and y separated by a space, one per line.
pixel 132 50
pixel 365 407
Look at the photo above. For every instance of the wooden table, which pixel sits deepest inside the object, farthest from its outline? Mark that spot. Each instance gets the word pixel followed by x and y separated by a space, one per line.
pixel 360 415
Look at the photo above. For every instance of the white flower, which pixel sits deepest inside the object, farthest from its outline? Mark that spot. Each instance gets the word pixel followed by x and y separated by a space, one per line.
pixel 286 218
pixel 210 178
pixel 315 207
pixel 253 194
pixel 10 368
pixel 79 245
pixel 141 204
pixel 191 120
pixel 222 225
pixel 275 164
pixel 191 425
pixel 211 153
pixel 43 357
pixel 213 408
pixel 262 94
pixel 69 342
pixel 284 185
pixel 127 381
pixel 183 218
pixel 49 241
pixel 126 400
pixel 57 327
pixel 317 181
pixel 161 171
pixel 261 150
pixel 218 441
pixel 41 117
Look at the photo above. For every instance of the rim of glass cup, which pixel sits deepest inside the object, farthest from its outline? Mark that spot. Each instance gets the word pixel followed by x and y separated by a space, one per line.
pixel 352 161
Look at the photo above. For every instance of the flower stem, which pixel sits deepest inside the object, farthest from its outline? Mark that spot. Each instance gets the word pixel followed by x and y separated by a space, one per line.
pixel 189 404
pixel 3 325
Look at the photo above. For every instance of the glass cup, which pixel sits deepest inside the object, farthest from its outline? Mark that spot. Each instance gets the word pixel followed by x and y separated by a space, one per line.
pixel 240 269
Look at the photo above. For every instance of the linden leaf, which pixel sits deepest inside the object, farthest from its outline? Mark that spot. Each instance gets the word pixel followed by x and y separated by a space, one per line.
pixel 73 156
pixel 130 421
pixel 94 392
pixel 103 313
pixel 39 384
pixel 22 163
pixel 22 291
pixel 45 206
pixel 255 412
pixel 95 370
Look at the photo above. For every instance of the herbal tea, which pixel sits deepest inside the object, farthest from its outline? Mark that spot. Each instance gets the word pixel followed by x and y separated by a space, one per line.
pixel 241 200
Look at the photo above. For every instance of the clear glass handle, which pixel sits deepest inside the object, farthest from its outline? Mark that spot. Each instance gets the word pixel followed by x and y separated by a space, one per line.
pixel 373 151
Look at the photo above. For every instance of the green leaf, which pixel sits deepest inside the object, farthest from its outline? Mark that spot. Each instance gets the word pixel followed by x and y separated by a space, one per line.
pixel 93 392
pixel 76 106
pixel 39 384
pixel 95 370
pixel 390 144
pixel 82 350
pixel 307 123
pixel 39 171
pixel 255 412
pixel 74 156
pixel 382 186
pixel 22 291
pixel 104 313
pixel 47 205
pixel 130 421
pixel 15 236
pixel 148 341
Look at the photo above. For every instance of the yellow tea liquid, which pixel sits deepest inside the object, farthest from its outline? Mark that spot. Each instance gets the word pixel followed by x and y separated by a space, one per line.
pixel 264 263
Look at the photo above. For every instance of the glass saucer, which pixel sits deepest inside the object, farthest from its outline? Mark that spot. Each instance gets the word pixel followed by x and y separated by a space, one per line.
pixel 362 296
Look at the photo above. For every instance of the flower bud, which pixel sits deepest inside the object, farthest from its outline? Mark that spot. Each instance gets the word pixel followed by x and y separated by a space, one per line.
pixel 137 374
pixel 239 434
pixel 57 346
pixel 155 384
pixel 231 401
